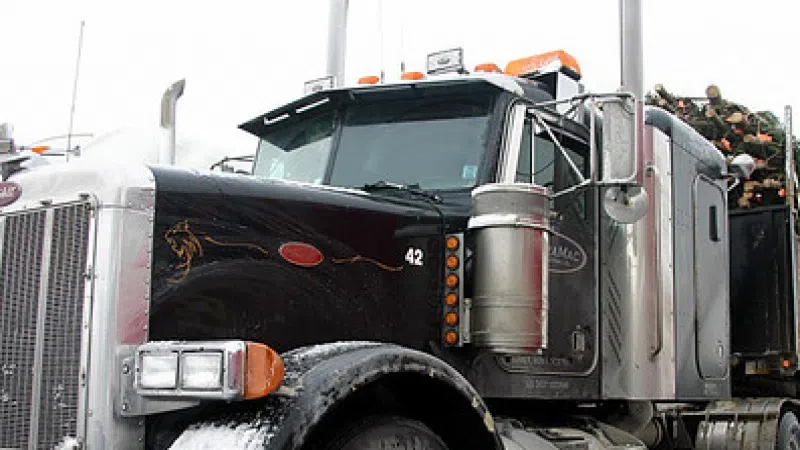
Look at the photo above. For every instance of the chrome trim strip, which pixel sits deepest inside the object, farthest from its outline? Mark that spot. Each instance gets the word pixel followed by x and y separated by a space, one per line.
pixel 120 320
pixel 86 335
pixel 511 143
pixel 41 313
pixel 662 157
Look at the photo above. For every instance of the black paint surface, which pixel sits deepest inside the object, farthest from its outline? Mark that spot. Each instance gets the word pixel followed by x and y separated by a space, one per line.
pixel 238 286
pixel 761 281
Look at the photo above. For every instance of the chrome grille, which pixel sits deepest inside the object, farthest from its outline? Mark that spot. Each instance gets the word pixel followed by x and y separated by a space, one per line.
pixel 44 259
pixel 19 295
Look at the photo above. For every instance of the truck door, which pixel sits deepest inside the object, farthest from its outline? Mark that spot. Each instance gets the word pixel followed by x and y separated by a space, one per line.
pixel 710 278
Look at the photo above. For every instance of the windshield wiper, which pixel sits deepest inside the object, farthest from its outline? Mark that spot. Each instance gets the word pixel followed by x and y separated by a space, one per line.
pixel 412 188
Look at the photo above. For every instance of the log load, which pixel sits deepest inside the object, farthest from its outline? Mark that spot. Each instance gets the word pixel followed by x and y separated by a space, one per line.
pixel 734 129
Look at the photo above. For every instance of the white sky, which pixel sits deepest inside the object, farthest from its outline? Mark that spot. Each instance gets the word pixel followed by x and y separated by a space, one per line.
pixel 242 58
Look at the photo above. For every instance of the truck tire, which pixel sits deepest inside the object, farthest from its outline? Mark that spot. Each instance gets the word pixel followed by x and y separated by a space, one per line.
pixel 386 432
pixel 789 432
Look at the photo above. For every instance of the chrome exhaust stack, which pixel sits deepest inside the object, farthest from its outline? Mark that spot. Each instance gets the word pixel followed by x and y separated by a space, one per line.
pixel 166 153
pixel 337 40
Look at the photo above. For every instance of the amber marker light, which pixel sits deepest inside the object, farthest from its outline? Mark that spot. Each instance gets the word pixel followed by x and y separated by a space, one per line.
pixel 369 79
pixel 451 299
pixel 451 281
pixel 452 243
pixel 264 371
pixel 412 76
pixel 452 262
pixel 786 363
pixel 488 68
pixel 451 319
pixel 451 337
pixel 535 63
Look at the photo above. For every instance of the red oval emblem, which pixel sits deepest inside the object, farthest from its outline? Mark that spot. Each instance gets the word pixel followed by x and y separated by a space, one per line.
pixel 9 193
pixel 301 254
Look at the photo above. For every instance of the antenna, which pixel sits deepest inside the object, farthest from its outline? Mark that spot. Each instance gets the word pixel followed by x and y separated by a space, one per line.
pixel 380 25
pixel 402 42
pixel 74 92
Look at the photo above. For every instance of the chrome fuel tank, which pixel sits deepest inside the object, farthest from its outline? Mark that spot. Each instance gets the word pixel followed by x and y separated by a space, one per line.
pixel 509 308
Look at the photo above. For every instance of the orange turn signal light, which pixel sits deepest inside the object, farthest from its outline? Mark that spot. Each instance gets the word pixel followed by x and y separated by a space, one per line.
pixel 264 373
pixel 451 280
pixel 412 76
pixel 451 299
pixel 452 262
pixel 452 243
pixel 451 338
pixel 40 149
pixel 786 363
pixel 451 319
pixel 369 79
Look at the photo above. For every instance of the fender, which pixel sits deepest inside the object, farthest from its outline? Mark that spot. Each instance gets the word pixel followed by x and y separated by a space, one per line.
pixel 323 376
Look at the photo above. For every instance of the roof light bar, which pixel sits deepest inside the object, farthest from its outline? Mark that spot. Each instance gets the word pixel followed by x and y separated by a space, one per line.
pixel 546 62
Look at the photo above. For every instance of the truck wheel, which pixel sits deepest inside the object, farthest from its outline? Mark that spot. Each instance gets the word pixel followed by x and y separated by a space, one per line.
pixel 789 432
pixel 387 432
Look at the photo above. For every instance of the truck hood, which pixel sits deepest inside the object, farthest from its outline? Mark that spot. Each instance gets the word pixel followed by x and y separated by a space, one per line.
pixel 290 264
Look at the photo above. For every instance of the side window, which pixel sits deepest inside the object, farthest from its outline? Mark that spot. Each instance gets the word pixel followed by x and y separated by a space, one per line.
pixel 536 163
pixel 542 163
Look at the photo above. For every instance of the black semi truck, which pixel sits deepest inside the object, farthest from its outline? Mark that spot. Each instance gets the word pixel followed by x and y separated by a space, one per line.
pixel 494 260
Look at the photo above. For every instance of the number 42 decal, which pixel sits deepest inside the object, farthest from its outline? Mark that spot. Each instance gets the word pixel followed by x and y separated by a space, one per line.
pixel 414 256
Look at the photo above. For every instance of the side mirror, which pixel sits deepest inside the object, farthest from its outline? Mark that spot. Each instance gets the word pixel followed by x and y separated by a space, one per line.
pixel 623 200
pixel 619 141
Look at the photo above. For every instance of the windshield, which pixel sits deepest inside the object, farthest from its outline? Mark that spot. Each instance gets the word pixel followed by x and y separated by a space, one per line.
pixel 297 153
pixel 433 143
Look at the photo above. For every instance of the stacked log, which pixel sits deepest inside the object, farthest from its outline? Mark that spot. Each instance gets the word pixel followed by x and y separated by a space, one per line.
pixel 735 129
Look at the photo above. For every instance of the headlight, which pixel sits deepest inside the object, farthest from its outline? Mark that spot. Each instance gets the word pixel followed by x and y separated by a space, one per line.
pixel 159 370
pixel 201 370
pixel 220 370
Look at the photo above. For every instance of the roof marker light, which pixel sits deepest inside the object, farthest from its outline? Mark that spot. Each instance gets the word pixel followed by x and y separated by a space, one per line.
pixel 369 79
pixel 412 76
pixel 545 62
pixel 488 68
